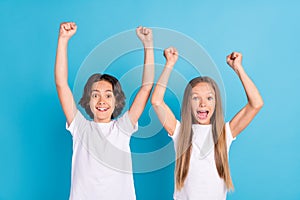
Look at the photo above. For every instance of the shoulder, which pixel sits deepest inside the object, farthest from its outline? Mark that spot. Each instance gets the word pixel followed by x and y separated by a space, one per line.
pixel 176 131
pixel 124 124
pixel 229 137
pixel 78 123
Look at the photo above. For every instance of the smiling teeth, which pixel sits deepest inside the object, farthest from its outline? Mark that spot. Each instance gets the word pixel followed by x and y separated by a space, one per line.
pixel 102 109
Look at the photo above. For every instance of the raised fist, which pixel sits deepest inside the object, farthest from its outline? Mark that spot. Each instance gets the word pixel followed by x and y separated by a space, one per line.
pixel 234 60
pixel 171 55
pixel 67 29
pixel 145 35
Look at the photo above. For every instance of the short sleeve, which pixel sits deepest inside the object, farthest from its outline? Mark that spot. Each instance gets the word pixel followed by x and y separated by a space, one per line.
pixel 77 125
pixel 176 133
pixel 125 124
pixel 229 137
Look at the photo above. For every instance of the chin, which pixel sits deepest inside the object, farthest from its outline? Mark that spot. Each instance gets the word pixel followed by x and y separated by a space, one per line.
pixel 203 122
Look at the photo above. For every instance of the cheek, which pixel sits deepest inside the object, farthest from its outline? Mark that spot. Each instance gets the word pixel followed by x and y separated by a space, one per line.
pixel 92 105
pixel 194 108
pixel 113 103
pixel 212 104
pixel 91 102
pixel 213 109
pixel 194 105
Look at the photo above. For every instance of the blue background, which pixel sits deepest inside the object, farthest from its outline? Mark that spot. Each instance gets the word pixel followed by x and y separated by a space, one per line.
pixel 35 148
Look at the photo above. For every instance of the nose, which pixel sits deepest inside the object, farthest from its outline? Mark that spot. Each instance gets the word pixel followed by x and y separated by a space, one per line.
pixel 202 103
pixel 101 100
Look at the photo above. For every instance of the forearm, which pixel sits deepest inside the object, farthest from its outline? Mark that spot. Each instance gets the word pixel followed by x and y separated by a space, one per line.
pixel 160 88
pixel 61 63
pixel 148 71
pixel 164 113
pixel 254 98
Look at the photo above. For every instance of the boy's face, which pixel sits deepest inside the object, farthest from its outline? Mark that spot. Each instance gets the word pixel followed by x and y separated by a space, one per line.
pixel 102 102
pixel 203 102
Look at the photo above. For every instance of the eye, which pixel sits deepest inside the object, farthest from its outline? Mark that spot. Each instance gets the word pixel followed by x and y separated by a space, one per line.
pixel 210 98
pixel 95 95
pixel 195 98
pixel 109 96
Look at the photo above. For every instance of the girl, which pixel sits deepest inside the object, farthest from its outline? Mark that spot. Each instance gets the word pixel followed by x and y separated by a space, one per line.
pixel 101 161
pixel 202 138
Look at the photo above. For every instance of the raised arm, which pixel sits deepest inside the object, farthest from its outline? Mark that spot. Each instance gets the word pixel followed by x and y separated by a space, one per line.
pixel 255 102
pixel 141 98
pixel 67 30
pixel 164 113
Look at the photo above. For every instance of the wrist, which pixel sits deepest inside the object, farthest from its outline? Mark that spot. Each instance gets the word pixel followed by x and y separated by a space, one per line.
pixel 170 64
pixel 148 45
pixel 63 39
pixel 238 69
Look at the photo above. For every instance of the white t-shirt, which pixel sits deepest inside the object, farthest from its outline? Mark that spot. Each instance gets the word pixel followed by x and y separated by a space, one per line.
pixel 203 180
pixel 101 161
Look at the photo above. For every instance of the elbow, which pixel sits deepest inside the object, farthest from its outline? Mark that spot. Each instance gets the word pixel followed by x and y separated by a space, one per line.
pixel 155 102
pixel 60 84
pixel 60 81
pixel 261 104
pixel 258 105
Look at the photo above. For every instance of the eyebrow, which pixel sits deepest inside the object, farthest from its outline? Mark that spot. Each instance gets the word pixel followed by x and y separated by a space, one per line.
pixel 100 91
pixel 195 93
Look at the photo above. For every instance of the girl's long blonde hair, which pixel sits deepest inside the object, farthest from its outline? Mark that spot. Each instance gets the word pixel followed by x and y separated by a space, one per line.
pixel 185 136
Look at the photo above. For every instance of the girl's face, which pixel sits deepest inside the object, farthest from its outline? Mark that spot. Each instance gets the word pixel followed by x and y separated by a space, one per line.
pixel 102 102
pixel 203 102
